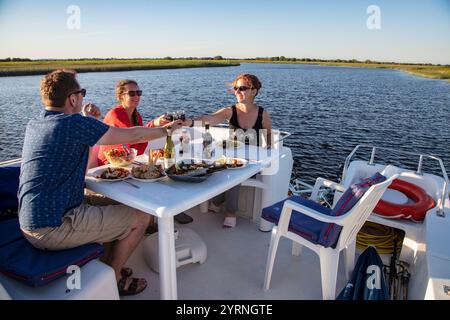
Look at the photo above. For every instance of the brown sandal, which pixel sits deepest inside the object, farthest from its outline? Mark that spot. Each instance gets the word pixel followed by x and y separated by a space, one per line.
pixel 136 286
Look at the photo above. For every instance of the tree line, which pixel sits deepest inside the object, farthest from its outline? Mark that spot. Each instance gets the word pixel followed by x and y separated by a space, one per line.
pixel 217 58
pixel 14 59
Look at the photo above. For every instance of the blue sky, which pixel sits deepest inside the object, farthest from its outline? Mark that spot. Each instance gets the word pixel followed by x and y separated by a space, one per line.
pixel 411 30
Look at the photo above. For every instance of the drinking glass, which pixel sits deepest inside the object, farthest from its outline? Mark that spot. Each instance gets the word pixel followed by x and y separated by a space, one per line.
pixel 169 116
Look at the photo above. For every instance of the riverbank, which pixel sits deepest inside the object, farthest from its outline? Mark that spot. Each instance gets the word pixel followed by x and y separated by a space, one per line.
pixel 39 67
pixel 427 71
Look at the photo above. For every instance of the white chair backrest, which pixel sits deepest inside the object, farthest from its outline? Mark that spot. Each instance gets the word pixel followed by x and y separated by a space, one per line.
pixel 358 215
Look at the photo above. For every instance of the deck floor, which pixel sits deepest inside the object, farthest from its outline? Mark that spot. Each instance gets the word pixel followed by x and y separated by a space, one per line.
pixel 235 266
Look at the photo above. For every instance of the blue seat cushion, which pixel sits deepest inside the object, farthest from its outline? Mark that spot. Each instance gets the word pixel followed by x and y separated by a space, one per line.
pixel 330 233
pixel 9 185
pixel 23 262
pixel 300 224
pixel 315 231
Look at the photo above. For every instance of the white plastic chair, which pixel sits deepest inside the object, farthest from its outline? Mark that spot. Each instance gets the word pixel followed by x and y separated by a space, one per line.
pixel 351 223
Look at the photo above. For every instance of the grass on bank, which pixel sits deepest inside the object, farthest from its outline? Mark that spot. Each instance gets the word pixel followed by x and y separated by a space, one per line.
pixel 423 70
pixel 37 67
pixel 34 67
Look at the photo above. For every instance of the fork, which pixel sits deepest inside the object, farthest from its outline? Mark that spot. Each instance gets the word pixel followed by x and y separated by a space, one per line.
pixel 131 184
pixel 125 147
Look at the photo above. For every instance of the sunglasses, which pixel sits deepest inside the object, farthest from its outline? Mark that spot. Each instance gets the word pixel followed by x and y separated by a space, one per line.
pixel 82 91
pixel 134 93
pixel 241 88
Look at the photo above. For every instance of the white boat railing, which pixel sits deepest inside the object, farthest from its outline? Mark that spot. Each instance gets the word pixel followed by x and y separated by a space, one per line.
pixel 10 162
pixel 300 188
pixel 440 211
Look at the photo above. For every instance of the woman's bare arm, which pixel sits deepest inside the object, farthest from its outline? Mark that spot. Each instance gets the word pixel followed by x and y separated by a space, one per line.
pixel 217 117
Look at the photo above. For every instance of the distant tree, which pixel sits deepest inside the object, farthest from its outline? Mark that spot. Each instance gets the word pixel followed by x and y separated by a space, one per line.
pixel 218 58
pixel 15 59
pixel 168 58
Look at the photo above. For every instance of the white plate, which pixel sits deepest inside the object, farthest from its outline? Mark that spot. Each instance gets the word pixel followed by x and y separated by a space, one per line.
pixel 243 161
pixel 99 171
pixel 147 180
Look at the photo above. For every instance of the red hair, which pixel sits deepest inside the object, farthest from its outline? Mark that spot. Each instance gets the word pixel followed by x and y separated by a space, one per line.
pixel 251 80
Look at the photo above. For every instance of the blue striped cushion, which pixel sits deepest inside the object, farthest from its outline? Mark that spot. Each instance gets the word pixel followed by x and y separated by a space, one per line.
pixel 330 233
pixel 300 224
pixel 318 232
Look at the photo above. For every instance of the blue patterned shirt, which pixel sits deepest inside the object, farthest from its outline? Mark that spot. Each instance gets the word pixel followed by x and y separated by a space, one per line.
pixel 54 161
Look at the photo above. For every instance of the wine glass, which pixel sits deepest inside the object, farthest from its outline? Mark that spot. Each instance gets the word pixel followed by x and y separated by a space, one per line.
pixel 169 116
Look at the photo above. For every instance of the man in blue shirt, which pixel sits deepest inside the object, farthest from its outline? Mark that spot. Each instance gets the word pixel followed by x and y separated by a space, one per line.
pixel 53 211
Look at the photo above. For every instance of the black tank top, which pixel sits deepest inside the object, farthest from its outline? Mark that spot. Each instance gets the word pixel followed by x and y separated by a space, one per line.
pixel 234 123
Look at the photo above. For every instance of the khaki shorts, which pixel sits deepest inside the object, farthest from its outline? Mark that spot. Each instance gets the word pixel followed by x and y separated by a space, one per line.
pixel 93 221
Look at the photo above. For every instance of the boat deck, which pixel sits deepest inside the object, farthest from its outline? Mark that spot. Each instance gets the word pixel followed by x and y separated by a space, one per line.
pixel 235 266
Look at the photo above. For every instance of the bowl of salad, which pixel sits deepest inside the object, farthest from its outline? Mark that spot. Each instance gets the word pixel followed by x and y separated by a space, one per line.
pixel 120 158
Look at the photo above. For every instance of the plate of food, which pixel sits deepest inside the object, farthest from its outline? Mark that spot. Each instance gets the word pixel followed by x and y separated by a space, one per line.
pixel 232 163
pixel 111 174
pixel 120 158
pixel 189 171
pixel 229 144
pixel 147 173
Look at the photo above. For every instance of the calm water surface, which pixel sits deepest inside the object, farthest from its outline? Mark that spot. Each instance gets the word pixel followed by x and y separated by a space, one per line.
pixel 328 110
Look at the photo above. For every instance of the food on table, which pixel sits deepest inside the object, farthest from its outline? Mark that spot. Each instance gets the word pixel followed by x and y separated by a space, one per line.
pixel 113 174
pixel 120 157
pixel 188 168
pixel 147 171
pixel 229 162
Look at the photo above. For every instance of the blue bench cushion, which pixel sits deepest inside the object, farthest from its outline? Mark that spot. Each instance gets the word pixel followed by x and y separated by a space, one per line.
pixel 318 232
pixel 300 224
pixel 21 261
pixel 9 184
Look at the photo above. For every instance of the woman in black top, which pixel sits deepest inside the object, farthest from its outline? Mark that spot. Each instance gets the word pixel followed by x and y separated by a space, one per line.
pixel 245 115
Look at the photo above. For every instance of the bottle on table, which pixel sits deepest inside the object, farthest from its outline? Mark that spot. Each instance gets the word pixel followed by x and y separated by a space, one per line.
pixel 150 157
pixel 207 143
pixel 169 150
pixel 224 147
pixel 184 141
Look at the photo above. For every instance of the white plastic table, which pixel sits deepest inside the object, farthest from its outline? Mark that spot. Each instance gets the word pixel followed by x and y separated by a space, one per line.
pixel 167 198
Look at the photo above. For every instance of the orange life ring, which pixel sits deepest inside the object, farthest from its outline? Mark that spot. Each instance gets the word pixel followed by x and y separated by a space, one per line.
pixel 416 211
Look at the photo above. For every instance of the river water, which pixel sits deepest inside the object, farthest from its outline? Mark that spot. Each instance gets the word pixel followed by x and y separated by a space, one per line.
pixel 328 110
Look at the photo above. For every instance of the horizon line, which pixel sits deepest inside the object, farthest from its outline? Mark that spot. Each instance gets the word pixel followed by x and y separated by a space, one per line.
pixel 283 59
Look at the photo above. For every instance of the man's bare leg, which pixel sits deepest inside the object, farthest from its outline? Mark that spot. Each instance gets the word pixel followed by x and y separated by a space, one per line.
pixel 107 252
pixel 122 249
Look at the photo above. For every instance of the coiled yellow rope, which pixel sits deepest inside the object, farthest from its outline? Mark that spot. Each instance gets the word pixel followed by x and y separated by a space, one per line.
pixel 380 236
